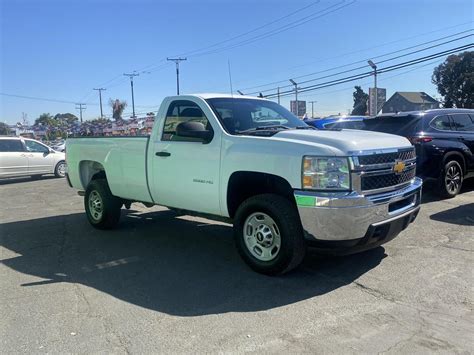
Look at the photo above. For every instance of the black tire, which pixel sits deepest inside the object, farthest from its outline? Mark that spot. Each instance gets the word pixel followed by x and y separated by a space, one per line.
pixel 286 217
pixel 450 179
pixel 110 205
pixel 59 170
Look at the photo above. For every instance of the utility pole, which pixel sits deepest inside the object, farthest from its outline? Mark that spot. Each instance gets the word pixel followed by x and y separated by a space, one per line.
pixel 312 108
pixel 296 96
pixel 100 100
pixel 81 108
pixel 278 95
pixel 131 85
pixel 374 67
pixel 176 61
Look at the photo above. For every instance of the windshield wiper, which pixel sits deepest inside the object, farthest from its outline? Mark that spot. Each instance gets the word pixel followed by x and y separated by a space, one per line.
pixel 263 128
pixel 305 127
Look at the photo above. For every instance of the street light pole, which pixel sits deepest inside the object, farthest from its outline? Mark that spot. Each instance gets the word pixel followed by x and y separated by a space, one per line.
pixel 296 96
pixel 312 108
pixel 176 61
pixel 100 100
pixel 131 85
pixel 374 67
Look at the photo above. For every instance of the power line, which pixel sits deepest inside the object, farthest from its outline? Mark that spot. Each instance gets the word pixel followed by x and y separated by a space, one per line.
pixel 329 10
pixel 369 73
pixel 364 61
pixel 374 47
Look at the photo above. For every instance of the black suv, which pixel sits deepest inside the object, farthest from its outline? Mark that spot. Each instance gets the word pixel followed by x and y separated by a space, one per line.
pixel 443 139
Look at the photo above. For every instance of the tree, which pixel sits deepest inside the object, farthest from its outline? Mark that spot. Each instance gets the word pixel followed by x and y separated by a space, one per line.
pixel 117 108
pixel 66 117
pixel 454 79
pixel 4 129
pixel 360 101
pixel 45 119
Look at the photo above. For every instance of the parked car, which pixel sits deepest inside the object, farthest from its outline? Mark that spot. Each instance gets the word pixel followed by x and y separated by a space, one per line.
pixel 23 156
pixel 60 147
pixel 444 143
pixel 338 122
pixel 250 162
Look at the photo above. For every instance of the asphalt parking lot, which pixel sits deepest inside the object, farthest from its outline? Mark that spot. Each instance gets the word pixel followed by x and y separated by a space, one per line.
pixel 164 283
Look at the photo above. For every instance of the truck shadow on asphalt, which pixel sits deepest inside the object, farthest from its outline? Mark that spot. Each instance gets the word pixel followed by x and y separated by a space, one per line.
pixel 162 262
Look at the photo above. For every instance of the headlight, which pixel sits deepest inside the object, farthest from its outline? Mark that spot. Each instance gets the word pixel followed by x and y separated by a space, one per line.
pixel 326 173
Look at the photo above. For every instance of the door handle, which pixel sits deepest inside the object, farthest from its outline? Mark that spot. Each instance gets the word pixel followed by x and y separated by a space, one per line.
pixel 162 154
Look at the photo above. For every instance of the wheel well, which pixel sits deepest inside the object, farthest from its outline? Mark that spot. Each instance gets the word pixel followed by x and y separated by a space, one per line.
pixel 455 156
pixel 90 170
pixel 245 184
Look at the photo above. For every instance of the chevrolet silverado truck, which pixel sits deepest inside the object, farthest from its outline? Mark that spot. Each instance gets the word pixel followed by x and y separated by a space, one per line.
pixel 282 184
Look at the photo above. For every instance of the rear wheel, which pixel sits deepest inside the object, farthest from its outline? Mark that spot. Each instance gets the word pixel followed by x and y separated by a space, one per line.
pixel 268 234
pixel 102 208
pixel 450 180
pixel 60 169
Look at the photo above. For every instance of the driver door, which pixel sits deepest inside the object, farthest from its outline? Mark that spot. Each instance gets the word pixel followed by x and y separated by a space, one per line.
pixel 40 161
pixel 185 171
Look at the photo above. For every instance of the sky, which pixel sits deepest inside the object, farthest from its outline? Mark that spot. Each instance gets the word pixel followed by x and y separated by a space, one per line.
pixel 54 52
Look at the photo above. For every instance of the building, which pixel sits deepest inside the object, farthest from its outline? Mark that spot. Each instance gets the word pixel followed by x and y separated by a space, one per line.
pixel 409 101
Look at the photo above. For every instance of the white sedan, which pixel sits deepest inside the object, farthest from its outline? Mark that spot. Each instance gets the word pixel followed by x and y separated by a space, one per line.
pixel 23 156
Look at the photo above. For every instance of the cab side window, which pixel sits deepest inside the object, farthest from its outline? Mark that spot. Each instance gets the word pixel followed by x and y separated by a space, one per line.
pixel 11 145
pixel 441 123
pixel 182 111
pixel 462 122
pixel 34 147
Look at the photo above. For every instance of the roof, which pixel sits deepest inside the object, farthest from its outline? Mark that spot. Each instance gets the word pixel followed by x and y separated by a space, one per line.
pixel 436 111
pixel 206 96
pixel 416 97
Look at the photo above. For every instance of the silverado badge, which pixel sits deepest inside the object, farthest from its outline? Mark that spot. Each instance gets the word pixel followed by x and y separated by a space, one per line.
pixel 398 167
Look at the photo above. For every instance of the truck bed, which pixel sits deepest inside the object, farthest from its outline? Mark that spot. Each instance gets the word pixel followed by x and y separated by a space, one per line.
pixel 124 158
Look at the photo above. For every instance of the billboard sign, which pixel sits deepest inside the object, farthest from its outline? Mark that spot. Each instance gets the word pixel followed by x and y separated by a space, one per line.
pixel 381 98
pixel 301 107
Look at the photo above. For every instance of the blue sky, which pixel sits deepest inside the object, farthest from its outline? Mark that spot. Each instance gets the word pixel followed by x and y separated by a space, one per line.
pixel 60 50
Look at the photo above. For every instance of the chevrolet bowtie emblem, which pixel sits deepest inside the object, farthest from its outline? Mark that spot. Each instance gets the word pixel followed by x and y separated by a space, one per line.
pixel 398 167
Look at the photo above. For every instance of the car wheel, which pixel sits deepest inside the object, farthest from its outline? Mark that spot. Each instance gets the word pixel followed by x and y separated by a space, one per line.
pixel 268 234
pixel 102 208
pixel 450 180
pixel 60 169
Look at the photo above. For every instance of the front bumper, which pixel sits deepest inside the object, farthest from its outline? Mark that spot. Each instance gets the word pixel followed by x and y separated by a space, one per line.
pixel 349 219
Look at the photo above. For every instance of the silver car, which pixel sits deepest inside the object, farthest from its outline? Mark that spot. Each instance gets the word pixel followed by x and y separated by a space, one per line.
pixel 24 156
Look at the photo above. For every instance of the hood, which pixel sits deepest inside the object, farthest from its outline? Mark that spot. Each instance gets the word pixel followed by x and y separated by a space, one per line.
pixel 346 140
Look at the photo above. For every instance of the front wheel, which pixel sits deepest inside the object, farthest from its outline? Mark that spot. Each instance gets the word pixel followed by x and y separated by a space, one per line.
pixel 450 180
pixel 268 234
pixel 102 208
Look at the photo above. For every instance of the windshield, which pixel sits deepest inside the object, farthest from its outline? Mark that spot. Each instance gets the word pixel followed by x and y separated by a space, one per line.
pixel 247 115
pixel 400 125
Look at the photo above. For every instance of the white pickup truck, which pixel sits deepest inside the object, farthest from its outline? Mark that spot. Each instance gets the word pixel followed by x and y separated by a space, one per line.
pixel 249 161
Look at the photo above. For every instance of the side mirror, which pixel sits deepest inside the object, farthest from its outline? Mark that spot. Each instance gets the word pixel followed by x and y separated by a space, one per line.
pixel 194 130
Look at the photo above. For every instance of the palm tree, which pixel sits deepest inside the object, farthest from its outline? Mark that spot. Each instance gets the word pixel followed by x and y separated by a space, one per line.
pixel 117 108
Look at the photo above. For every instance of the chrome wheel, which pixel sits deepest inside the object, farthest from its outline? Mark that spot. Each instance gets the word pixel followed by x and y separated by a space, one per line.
pixel 61 169
pixel 452 179
pixel 96 206
pixel 262 236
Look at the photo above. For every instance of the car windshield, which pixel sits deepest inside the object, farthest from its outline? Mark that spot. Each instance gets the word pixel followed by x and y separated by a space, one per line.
pixel 247 116
pixel 400 125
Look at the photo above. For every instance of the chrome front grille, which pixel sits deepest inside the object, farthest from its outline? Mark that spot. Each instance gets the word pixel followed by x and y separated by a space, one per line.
pixel 386 157
pixel 373 182
pixel 383 170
